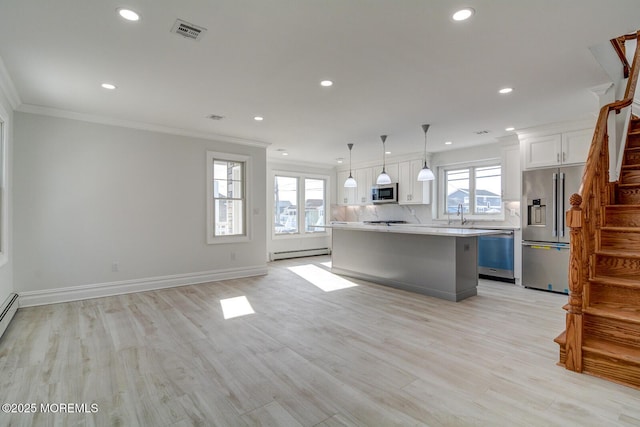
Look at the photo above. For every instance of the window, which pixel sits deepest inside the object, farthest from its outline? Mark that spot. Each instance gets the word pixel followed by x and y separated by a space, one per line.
pixel 477 189
pixel 226 198
pixel 291 193
pixel 313 205
pixel 286 208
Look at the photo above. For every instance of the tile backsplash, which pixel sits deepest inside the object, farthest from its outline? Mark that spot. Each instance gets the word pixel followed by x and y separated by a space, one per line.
pixel 414 214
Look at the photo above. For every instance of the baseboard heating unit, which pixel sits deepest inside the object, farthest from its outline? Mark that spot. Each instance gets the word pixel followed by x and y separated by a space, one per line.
pixel 299 253
pixel 8 309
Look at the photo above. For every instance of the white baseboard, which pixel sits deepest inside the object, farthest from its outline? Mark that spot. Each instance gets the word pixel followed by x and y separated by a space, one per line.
pixel 75 293
pixel 7 311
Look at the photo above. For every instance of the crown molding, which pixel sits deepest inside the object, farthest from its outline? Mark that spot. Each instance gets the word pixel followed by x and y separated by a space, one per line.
pixel 559 127
pixel 7 87
pixel 274 160
pixel 93 118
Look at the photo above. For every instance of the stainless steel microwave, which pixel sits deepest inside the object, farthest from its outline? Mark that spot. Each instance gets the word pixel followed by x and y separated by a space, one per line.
pixel 385 193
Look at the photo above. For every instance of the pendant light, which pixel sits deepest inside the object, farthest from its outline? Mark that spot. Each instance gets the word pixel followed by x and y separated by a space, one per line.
pixel 383 178
pixel 425 173
pixel 350 182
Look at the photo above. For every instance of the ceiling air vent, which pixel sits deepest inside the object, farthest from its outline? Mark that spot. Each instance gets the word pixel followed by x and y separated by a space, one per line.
pixel 215 117
pixel 188 30
pixel 482 132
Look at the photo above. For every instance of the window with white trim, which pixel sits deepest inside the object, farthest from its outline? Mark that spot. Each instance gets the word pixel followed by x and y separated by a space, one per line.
pixel 227 207
pixel 476 189
pixel 294 194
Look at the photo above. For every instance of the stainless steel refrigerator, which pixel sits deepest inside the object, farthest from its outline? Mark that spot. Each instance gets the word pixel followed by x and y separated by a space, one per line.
pixel 545 236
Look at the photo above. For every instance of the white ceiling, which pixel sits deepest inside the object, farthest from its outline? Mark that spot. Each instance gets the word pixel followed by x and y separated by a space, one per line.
pixel 396 64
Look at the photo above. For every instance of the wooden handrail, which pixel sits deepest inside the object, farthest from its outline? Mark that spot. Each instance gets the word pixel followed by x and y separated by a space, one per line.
pixel 585 216
pixel 618 46
pixel 601 128
pixel 633 80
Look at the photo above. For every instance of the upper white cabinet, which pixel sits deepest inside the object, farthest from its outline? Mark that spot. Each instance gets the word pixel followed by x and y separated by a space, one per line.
pixel 364 179
pixel 575 146
pixel 557 149
pixel 390 168
pixel 410 190
pixel 361 195
pixel 542 151
pixel 344 196
pixel 511 175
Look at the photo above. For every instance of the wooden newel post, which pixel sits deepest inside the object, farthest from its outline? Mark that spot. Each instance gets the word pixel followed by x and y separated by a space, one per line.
pixel 573 345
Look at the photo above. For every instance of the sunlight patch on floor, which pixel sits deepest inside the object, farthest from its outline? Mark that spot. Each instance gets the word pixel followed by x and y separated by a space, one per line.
pixel 236 307
pixel 326 264
pixel 321 278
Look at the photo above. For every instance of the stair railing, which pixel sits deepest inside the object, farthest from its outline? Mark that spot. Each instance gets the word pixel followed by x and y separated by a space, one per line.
pixel 586 214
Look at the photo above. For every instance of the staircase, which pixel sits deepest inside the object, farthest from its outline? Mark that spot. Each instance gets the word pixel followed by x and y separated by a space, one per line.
pixel 602 335
pixel 611 300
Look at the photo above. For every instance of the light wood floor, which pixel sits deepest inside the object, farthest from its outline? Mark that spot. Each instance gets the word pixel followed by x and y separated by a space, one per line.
pixel 366 355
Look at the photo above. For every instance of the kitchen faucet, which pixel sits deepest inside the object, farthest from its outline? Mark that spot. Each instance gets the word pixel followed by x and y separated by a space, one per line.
pixel 461 214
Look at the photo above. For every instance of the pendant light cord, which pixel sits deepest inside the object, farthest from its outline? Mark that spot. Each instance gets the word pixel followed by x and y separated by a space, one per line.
pixel 384 152
pixel 425 128
pixel 350 147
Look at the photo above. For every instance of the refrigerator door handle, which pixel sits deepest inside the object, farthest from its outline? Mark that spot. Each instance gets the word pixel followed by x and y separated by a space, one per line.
pixel 561 213
pixel 554 199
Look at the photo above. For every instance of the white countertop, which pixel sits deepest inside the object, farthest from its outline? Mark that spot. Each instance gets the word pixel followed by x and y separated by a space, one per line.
pixel 414 229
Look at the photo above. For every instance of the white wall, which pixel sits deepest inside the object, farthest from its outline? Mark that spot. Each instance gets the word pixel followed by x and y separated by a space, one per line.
pixel 296 242
pixel 89 195
pixel 6 259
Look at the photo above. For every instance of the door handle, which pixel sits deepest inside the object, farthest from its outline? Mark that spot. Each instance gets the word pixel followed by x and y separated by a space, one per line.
pixel 555 205
pixel 563 198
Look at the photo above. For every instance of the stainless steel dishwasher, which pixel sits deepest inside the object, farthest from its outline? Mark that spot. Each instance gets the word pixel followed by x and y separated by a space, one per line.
pixel 495 256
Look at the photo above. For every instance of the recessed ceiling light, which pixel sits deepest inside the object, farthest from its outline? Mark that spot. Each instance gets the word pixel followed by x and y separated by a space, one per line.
pixel 448 143
pixel 258 118
pixel 506 90
pixel 509 129
pixel 285 153
pixel 387 152
pixel 463 14
pixel 128 14
pixel 339 160
pixel 109 86
pixel 326 83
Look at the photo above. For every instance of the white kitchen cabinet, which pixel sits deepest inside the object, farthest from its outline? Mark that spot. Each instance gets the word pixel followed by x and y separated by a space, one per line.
pixel 344 196
pixel 557 149
pixel 390 168
pixel 511 175
pixel 575 146
pixel 542 151
pixel 410 190
pixel 364 180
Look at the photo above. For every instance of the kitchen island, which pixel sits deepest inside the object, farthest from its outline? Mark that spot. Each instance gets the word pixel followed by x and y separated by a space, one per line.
pixel 439 262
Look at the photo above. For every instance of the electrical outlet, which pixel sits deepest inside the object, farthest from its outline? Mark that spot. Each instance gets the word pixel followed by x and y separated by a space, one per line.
pixel 115 267
pixel 512 212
